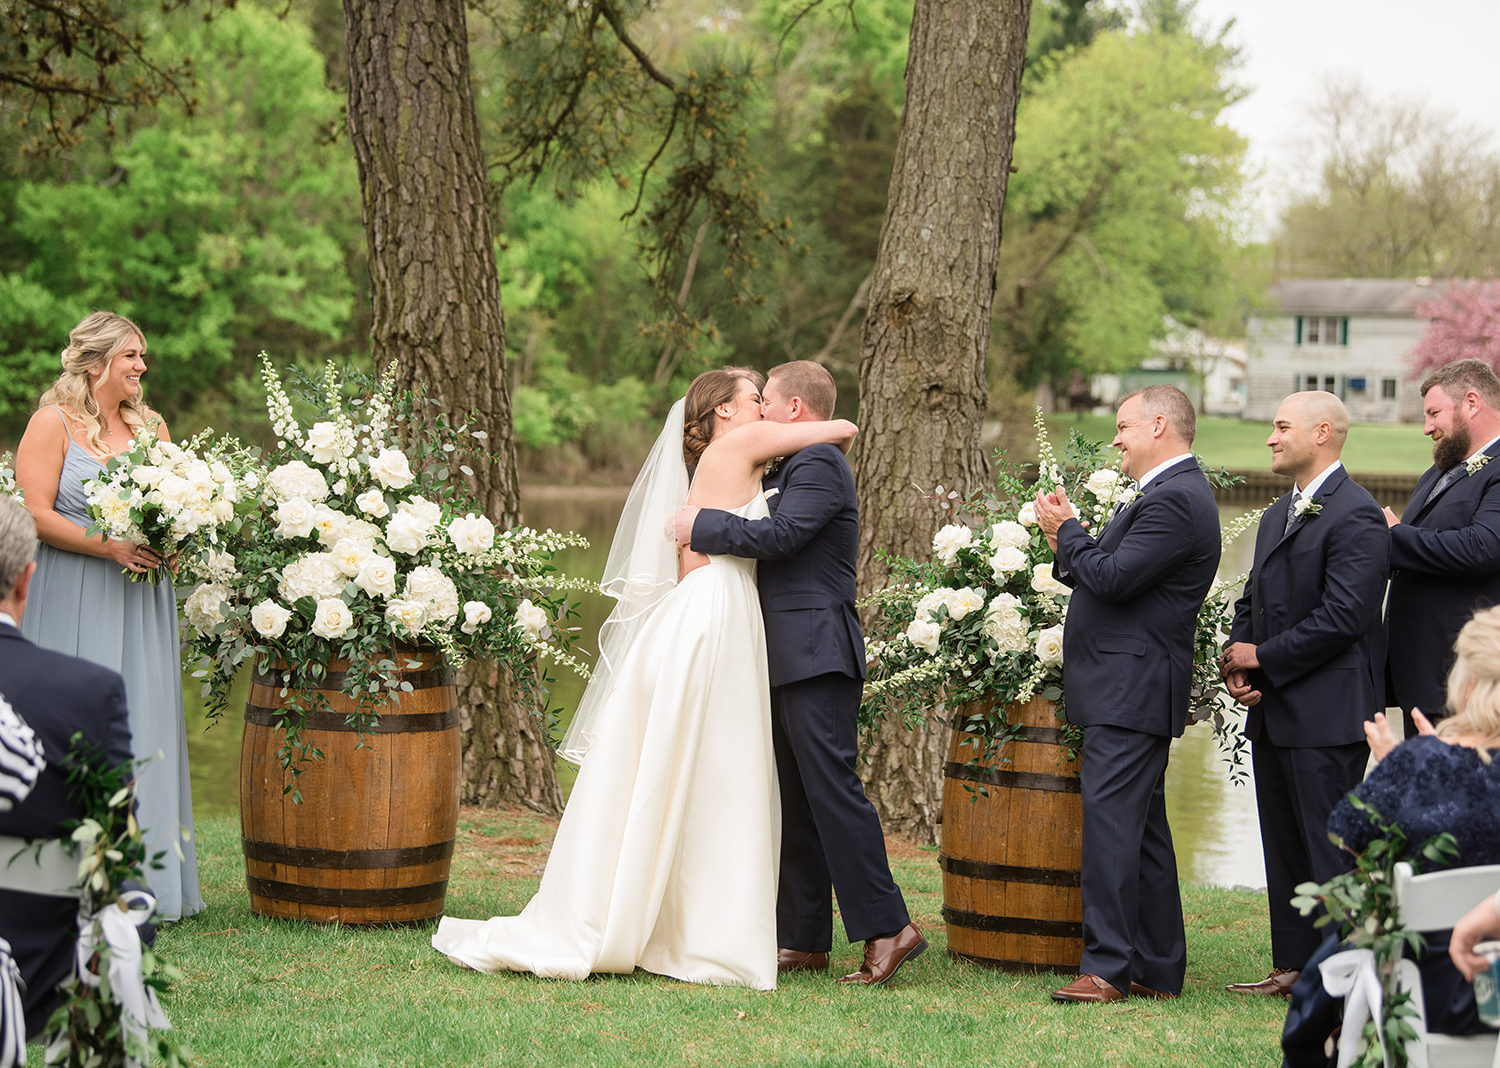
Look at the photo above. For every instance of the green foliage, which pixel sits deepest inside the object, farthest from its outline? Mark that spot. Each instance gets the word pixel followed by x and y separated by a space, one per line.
pixel 1362 901
pixel 209 231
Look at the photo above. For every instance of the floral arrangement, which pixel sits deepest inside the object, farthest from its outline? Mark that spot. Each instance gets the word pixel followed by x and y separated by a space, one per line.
pixel 353 540
pixel 982 620
pixel 164 496
pixel 8 485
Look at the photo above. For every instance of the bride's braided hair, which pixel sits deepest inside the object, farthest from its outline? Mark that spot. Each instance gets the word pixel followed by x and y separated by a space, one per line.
pixel 708 391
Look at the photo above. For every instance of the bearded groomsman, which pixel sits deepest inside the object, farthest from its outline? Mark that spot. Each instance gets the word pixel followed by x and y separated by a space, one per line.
pixel 1128 644
pixel 1445 548
pixel 1306 653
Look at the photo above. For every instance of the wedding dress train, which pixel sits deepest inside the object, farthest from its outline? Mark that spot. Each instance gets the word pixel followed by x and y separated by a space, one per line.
pixel 666 856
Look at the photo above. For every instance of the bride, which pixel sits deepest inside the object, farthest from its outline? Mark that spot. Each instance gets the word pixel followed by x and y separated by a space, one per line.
pixel 666 856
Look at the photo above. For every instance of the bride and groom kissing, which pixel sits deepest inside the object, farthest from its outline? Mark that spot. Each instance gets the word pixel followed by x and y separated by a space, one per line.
pixel 717 807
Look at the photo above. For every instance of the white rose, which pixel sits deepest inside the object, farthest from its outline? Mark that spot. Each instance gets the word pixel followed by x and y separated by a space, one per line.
pixel 947 542
pixel 145 475
pixel 1006 561
pixel 1049 646
pixel 174 490
pixel 315 575
pixel 1007 533
pixel 472 534
pixel 1103 483
pixel 295 518
pixel 1043 581
pixel 424 512
pixel 924 634
pixel 205 607
pixel 333 618
pixel 930 603
pixel 405 534
pixel 329 523
pixel 372 502
pixel 322 443
pixel 269 619
pixel 476 615
pixel 295 479
pixel 350 553
pixel 1027 515
pixel 376 575
pixel 434 590
pixel 391 469
pixel 407 616
pixel 963 601
pixel 530 620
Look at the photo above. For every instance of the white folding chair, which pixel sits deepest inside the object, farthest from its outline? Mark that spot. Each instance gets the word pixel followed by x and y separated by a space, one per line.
pixel 1435 902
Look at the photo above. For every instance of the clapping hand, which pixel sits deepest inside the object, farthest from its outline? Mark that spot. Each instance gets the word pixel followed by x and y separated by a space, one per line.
pixel 1382 739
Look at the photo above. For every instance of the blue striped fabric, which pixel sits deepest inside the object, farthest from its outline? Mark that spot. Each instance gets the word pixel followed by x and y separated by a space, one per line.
pixel 21 757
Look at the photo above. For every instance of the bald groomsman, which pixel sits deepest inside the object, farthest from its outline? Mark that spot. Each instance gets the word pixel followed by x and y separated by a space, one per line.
pixel 1445 548
pixel 1306 654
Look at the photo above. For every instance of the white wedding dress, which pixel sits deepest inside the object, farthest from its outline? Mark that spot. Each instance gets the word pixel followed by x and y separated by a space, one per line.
pixel 666 857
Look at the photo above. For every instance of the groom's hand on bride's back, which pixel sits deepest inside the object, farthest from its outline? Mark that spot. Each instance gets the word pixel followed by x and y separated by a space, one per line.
pixel 680 526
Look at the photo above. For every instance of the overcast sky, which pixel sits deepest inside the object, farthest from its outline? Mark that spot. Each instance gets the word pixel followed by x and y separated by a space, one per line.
pixel 1443 52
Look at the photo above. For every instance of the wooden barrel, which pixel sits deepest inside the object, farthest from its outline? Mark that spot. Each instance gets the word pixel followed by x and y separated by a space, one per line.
pixel 372 840
pixel 1010 861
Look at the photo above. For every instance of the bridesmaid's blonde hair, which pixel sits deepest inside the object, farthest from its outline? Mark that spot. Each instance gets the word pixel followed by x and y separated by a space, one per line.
pixel 1474 684
pixel 92 344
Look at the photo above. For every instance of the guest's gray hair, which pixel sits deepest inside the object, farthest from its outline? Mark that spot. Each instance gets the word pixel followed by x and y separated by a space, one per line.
pixel 17 542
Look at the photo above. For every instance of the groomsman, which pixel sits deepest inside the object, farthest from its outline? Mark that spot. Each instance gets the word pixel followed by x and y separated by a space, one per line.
pixel 57 696
pixel 1445 548
pixel 1128 644
pixel 1305 653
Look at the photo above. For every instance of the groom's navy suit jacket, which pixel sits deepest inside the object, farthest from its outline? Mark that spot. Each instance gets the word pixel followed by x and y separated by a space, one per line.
pixel 1128 642
pixel 1312 607
pixel 57 696
pixel 806 550
pixel 1445 564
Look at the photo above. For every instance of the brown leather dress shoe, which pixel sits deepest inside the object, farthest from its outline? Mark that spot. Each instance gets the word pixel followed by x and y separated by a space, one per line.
pixel 795 960
pixel 1277 984
pixel 1088 988
pixel 884 957
pixel 1139 991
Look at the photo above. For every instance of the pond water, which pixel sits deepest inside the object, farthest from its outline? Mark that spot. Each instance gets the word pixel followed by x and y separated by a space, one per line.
pixel 1213 820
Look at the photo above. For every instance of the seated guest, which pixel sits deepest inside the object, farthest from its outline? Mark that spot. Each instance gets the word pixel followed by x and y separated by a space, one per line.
pixel 58 696
pixel 1443 780
pixel 1479 923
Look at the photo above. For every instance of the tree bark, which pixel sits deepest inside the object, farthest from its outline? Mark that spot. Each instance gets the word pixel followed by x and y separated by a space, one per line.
pixel 437 311
pixel 922 396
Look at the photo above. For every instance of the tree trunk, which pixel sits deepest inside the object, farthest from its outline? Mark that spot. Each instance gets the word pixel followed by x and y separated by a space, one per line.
pixel 437 312
pixel 922 394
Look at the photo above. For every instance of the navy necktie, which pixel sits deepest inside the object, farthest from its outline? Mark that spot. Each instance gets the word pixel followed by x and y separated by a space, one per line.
pixel 1442 484
pixel 1291 512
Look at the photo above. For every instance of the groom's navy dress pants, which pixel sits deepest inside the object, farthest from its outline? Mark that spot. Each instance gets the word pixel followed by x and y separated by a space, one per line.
pixel 830 833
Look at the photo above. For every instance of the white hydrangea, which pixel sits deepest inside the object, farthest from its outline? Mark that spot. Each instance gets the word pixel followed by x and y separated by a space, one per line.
pixel 471 534
pixel 315 575
pixel 1006 561
pixel 218 566
pixel 295 479
pixel 434 590
pixel 947 542
pixel 204 608
pixel 1049 646
pixel 1010 534
pixel 269 618
pixel 1004 623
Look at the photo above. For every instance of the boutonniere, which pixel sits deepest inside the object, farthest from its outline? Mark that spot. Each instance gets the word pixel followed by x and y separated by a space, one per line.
pixel 1474 463
pixel 1306 508
pixel 1126 497
pixel 772 465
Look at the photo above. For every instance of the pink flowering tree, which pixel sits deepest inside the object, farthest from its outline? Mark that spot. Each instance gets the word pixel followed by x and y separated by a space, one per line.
pixel 1465 322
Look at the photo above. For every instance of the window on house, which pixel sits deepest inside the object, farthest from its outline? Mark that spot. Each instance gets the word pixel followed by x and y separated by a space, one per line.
pixel 1312 382
pixel 1312 330
pixel 1387 389
pixel 1322 330
pixel 1328 383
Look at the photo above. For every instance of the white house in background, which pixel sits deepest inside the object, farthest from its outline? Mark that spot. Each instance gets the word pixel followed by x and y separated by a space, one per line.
pixel 1185 357
pixel 1349 336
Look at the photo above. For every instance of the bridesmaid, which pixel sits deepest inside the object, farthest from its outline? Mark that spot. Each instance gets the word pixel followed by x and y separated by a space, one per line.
pixel 82 602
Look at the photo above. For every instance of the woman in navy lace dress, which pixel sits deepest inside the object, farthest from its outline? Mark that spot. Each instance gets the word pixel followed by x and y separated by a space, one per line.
pixel 1443 780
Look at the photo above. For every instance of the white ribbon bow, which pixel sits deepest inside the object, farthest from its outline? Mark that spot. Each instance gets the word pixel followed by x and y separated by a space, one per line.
pixel 1352 975
pixel 115 925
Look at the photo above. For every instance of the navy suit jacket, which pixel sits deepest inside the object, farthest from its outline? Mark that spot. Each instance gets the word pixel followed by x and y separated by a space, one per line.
pixel 807 549
pixel 1445 564
pixel 1128 641
pixel 1312 607
pixel 57 695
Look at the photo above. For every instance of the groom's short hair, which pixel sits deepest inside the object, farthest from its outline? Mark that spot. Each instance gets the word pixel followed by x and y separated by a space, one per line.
pixel 810 381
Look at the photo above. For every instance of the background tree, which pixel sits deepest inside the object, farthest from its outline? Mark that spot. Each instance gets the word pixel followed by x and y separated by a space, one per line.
pixel 922 395
pixel 1405 190
pixel 1464 324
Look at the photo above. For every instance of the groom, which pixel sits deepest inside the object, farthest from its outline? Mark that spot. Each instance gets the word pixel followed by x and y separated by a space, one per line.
pixel 830 834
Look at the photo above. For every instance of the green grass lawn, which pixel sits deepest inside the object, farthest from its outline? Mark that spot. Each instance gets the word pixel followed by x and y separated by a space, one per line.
pixel 262 992
pixel 1240 445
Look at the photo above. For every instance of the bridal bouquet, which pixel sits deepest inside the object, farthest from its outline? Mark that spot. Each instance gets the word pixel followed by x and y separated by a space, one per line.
pixel 982 619
pixel 359 539
pixel 169 498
